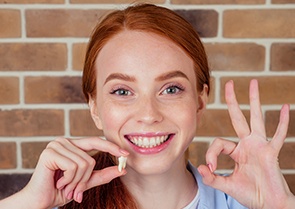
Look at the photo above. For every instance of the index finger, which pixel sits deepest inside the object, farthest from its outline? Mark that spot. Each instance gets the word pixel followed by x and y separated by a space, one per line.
pixel 96 143
pixel 238 120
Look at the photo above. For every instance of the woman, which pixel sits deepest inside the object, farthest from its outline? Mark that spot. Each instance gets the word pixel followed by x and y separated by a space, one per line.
pixel 146 80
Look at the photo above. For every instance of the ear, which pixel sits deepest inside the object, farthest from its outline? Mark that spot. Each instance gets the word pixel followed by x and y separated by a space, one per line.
pixel 202 101
pixel 94 113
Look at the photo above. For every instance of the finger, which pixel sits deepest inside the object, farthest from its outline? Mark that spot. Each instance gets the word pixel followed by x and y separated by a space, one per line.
pixel 77 167
pixel 84 161
pixel 104 176
pixel 219 146
pixel 95 143
pixel 213 180
pixel 256 118
pixel 237 118
pixel 282 129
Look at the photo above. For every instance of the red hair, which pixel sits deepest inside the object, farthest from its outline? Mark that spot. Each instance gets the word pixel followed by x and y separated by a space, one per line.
pixel 142 17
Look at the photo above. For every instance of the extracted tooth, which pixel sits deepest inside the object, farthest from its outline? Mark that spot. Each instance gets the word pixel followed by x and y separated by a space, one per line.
pixel 122 163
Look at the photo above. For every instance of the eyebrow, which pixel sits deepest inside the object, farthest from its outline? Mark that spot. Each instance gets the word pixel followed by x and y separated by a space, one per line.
pixel 172 74
pixel 119 76
pixel 163 77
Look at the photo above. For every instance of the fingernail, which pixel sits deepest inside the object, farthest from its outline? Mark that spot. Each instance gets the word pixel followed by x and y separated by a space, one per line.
pixel 210 167
pixel 124 152
pixel 70 195
pixel 79 197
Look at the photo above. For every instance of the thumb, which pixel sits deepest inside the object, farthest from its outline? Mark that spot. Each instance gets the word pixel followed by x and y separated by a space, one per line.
pixel 213 180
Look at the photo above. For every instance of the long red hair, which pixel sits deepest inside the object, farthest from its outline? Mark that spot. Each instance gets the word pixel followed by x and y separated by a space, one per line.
pixel 142 17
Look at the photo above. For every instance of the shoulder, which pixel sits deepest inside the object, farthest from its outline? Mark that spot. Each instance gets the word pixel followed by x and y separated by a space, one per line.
pixel 213 198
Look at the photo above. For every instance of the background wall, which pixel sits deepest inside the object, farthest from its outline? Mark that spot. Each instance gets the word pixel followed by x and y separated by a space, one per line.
pixel 42 44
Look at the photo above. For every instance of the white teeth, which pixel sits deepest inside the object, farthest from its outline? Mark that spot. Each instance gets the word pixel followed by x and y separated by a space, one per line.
pixel 148 142
pixel 122 163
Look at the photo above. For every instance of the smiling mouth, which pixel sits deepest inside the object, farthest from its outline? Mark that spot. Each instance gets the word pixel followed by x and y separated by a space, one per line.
pixel 148 142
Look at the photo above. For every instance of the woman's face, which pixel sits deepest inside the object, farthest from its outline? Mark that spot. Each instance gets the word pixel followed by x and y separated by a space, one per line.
pixel 146 101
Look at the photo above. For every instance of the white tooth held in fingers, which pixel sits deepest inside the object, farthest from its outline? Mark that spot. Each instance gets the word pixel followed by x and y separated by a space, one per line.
pixel 122 163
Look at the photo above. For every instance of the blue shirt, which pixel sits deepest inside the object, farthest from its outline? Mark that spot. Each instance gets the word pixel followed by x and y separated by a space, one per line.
pixel 211 198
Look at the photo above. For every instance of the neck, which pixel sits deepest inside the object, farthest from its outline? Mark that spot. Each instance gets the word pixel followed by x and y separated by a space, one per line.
pixel 173 189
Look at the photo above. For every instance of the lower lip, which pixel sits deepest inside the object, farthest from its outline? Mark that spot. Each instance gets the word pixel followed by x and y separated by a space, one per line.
pixel 153 150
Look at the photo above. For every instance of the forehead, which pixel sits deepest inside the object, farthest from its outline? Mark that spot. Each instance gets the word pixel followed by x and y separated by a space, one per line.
pixel 137 51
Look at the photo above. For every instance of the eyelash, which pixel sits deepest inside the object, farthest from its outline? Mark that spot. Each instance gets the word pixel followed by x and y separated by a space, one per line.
pixel 117 90
pixel 178 87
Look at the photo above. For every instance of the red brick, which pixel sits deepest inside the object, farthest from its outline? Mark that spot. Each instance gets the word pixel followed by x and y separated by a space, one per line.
pixel 33 56
pixel 31 152
pixel 205 22
pixel 28 122
pixel 283 1
pixel 61 23
pixel 236 56
pixel 272 120
pixel 217 1
pixel 7 155
pixel 290 178
pixel 217 123
pixel 114 1
pixel 10 24
pixel 32 1
pixel 53 90
pixel 273 89
pixel 78 55
pixel 82 124
pixel 282 57
pixel 197 153
pixel 9 90
pixel 268 23
pixel 287 156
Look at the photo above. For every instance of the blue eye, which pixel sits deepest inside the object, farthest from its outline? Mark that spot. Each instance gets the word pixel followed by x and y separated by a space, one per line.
pixel 121 92
pixel 173 90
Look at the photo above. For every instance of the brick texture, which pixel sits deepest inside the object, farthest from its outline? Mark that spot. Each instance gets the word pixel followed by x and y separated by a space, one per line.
pixel 283 1
pixel 10 23
pixel 43 122
pixel 78 55
pixel 53 90
pixel 273 89
pixel 259 23
pixel 282 57
pixel 204 21
pixel 61 23
pixel 31 152
pixel 115 1
pixel 82 124
pixel 217 122
pixel 272 121
pixel 9 90
pixel 197 151
pixel 32 1
pixel 33 57
pixel 42 50
pixel 7 155
pixel 218 1
pixel 236 56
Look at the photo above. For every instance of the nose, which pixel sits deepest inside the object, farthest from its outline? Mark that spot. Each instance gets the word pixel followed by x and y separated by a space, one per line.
pixel 148 110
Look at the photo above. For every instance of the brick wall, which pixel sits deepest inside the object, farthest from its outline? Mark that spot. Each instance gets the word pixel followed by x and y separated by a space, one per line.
pixel 42 44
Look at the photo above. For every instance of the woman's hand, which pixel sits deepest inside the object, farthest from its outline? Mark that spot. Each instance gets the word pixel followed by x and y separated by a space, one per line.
pixel 256 181
pixel 65 171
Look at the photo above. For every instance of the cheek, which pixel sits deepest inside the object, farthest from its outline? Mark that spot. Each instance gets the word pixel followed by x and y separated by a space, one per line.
pixel 112 119
pixel 188 118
